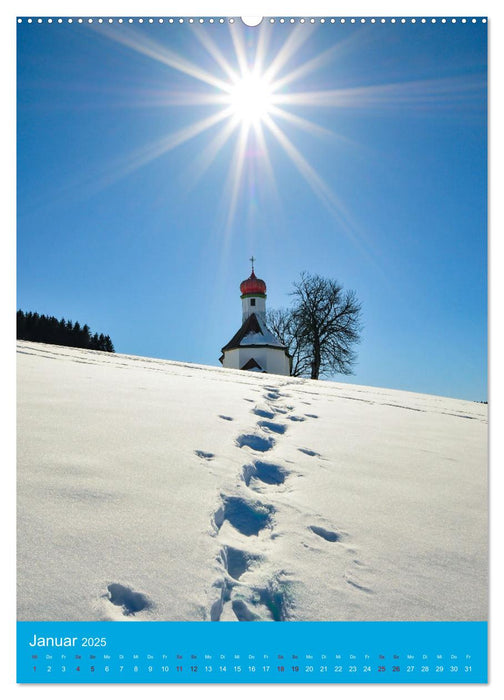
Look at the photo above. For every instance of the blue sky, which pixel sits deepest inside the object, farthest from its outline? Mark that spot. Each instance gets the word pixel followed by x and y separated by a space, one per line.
pixel 389 197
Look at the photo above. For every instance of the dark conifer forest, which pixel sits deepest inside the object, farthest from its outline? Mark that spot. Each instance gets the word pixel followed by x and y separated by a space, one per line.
pixel 47 329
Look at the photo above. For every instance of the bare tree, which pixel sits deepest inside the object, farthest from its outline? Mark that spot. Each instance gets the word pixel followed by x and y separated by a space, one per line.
pixel 322 327
pixel 281 323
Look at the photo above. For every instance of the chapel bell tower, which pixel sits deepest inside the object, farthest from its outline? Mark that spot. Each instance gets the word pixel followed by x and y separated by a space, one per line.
pixel 253 296
pixel 254 347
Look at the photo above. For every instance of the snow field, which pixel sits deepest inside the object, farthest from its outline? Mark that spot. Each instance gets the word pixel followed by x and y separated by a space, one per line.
pixel 156 490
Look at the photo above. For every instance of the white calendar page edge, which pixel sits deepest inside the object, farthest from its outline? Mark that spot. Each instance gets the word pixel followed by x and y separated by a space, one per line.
pixel 7 300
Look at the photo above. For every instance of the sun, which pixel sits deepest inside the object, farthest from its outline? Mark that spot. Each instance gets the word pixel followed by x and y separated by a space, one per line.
pixel 251 98
pixel 251 102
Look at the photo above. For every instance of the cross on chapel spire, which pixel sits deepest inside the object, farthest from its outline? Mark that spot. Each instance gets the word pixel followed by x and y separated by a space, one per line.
pixel 252 260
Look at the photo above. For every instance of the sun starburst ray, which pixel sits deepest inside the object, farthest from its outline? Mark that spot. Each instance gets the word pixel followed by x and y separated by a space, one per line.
pixel 152 151
pixel 160 53
pixel 441 92
pixel 207 156
pixel 239 47
pixel 234 180
pixel 313 179
pixel 329 199
pixel 203 37
pixel 263 42
pixel 305 124
pixel 344 46
pixel 183 99
pixel 267 167
pixel 293 43
pixel 304 69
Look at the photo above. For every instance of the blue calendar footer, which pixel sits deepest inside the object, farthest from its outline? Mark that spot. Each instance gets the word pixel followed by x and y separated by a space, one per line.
pixel 229 652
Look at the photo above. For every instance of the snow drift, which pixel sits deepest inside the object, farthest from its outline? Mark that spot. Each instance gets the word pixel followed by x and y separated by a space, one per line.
pixel 156 490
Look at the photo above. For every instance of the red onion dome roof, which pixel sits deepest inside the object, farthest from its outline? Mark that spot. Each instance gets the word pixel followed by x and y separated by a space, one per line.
pixel 253 285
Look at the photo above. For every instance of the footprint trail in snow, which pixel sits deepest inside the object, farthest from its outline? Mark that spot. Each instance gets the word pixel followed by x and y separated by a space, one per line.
pixel 250 586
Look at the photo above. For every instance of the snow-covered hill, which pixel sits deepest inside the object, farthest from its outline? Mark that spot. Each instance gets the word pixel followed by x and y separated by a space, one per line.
pixel 156 490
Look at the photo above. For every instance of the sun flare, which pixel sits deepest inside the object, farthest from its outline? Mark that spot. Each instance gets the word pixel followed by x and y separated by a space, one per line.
pixel 252 101
pixel 251 98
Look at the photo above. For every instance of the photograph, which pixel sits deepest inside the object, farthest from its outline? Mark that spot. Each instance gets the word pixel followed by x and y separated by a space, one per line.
pixel 251 319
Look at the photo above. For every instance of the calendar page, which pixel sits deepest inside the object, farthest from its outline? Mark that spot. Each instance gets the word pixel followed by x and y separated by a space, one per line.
pixel 251 349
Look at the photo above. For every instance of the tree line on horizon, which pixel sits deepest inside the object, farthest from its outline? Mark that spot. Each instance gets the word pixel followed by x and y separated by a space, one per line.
pixel 48 329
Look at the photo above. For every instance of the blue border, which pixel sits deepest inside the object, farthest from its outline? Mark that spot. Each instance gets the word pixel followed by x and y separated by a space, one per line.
pixel 230 652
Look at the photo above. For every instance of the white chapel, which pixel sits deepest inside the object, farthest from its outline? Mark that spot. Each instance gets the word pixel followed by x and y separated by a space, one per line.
pixel 254 347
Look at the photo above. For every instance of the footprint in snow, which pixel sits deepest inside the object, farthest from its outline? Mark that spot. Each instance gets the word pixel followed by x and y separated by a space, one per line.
pixel 226 417
pixel 275 599
pixel 266 472
pixel 328 535
pixel 272 427
pixel 130 601
pixel 224 596
pixel 262 413
pixel 268 602
pixel 255 442
pixel 242 612
pixel 247 517
pixel 310 453
pixel 237 561
pixel 204 455
pixel 355 584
